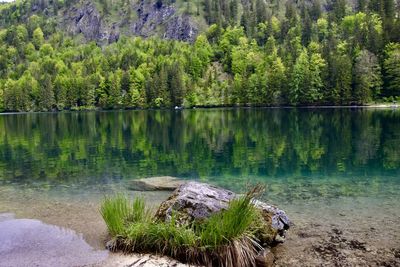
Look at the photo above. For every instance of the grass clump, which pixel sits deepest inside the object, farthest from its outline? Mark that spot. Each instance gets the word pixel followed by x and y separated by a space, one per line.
pixel 224 239
pixel 119 212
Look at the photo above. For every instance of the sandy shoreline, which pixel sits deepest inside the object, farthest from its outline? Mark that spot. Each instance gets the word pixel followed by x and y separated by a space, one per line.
pixel 343 232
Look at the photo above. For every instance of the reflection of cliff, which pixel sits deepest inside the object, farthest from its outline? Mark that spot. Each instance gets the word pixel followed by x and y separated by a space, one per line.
pixel 82 147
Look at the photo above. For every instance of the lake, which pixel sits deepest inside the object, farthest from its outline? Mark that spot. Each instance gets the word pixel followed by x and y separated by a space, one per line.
pixel 329 168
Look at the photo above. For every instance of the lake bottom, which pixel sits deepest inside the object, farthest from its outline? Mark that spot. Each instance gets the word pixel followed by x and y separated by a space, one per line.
pixel 342 231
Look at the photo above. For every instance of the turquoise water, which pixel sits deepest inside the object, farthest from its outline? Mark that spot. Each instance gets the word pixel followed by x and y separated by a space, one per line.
pixel 334 171
pixel 298 153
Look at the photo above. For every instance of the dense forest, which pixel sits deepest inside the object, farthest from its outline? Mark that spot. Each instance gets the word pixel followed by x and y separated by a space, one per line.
pixel 251 52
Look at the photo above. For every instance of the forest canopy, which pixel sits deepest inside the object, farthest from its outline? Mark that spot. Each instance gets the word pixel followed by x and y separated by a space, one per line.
pixel 304 53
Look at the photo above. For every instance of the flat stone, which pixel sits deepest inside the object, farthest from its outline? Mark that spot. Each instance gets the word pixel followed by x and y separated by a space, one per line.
pixel 161 183
pixel 26 242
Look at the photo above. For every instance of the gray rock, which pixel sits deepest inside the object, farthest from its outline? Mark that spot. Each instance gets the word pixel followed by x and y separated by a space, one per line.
pixel 148 18
pixel 279 219
pixel 181 28
pixel 161 183
pixel 197 201
pixel 151 16
pixel 87 20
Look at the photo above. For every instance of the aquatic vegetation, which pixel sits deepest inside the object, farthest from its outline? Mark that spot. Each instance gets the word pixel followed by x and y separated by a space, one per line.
pixel 225 239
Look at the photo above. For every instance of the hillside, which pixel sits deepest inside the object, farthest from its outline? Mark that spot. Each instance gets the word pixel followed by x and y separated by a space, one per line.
pixel 57 55
pixel 105 20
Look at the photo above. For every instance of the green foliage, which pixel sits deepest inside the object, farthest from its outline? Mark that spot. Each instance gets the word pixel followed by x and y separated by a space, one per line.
pixel 221 228
pixel 367 80
pixel 38 38
pixel 252 53
pixel 118 212
pixel 392 69
pixel 339 79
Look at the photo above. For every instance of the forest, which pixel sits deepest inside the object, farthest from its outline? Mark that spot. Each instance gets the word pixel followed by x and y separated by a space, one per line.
pixel 304 53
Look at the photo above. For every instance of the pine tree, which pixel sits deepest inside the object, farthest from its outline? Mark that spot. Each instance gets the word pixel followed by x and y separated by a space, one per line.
pixel 361 5
pixel 299 79
pixel 38 38
pixel 338 9
pixel 316 10
pixel 313 93
pixel 339 79
pixel 392 70
pixel 46 101
pixel 306 29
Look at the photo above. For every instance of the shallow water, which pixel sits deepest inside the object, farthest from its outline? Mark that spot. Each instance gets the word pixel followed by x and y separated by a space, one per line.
pixel 328 168
pixel 27 242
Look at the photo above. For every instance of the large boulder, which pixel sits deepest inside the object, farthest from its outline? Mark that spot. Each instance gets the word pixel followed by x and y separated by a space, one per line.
pixel 198 201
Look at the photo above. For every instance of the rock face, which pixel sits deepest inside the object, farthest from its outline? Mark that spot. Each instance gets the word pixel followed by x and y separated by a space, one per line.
pixel 87 20
pixel 197 201
pixel 181 28
pixel 162 183
pixel 152 15
pixel 140 18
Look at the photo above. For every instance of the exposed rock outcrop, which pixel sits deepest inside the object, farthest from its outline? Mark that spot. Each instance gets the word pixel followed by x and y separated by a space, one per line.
pixel 87 20
pixel 150 19
pixel 152 15
pixel 181 28
pixel 198 201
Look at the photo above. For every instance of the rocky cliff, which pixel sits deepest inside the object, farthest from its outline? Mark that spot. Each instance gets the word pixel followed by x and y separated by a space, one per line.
pixel 140 18
pixel 104 21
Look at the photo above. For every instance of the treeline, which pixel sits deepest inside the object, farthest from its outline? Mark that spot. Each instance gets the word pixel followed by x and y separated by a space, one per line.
pixel 308 56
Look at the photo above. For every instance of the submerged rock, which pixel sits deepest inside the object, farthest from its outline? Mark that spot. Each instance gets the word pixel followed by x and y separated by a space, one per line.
pixel 27 242
pixel 265 258
pixel 161 183
pixel 198 201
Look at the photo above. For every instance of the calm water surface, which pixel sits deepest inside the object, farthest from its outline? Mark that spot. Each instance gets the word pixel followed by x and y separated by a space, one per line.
pixel 334 171
pixel 299 154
